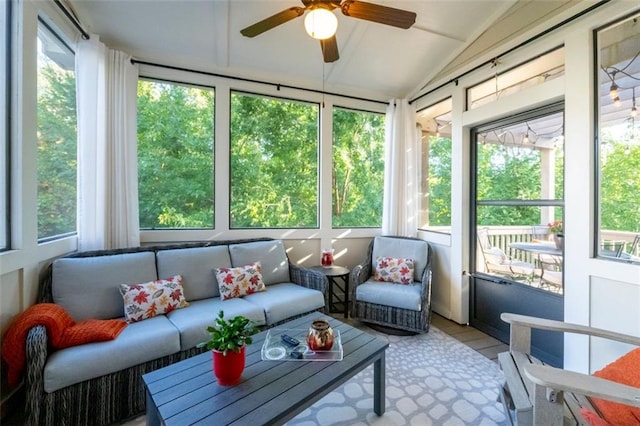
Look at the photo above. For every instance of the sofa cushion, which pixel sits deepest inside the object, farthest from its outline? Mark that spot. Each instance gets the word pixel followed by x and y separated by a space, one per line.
pixel 146 300
pixel 392 270
pixel 88 287
pixel 240 281
pixel 139 342
pixel 197 267
pixel 389 294
pixel 285 300
pixel 271 254
pixel 192 322
pixel 417 250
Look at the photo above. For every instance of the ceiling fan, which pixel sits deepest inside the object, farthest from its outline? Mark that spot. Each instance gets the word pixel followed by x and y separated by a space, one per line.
pixel 351 8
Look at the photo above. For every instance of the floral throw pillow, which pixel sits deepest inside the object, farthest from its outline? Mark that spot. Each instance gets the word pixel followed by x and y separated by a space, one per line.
pixel 143 301
pixel 240 281
pixel 390 269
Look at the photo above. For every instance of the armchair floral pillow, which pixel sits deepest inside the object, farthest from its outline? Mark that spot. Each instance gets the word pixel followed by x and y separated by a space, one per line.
pixel 394 270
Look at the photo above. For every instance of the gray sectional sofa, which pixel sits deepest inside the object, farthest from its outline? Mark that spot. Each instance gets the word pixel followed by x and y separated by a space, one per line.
pixel 100 383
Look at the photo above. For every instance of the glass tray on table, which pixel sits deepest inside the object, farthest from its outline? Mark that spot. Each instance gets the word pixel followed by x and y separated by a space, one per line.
pixel 274 349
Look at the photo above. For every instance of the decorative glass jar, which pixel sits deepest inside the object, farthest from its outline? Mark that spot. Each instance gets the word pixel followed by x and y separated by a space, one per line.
pixel 320 336
pixel 327 258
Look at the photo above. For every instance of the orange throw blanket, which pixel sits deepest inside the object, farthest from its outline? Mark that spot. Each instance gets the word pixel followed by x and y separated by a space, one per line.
pixel 62 332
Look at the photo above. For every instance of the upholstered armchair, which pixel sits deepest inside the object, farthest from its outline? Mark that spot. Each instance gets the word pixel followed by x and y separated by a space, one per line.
pixel 405 306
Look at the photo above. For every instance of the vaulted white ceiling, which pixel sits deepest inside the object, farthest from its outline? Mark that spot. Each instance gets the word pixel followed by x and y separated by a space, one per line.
pixel 376 61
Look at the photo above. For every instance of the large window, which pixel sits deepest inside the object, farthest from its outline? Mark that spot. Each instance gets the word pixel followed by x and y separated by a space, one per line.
pixel 618 89
pixel 57 136
pixel 175 155
pixel 5 51
pixel 358 168
pixel 435 205
pixel 274 163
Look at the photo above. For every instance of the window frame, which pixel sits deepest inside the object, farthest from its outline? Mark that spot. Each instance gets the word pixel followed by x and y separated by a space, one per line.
pixel 357 110
pixel 425 156
pixel 212 88
pixel 5 137
pixel 317 225
pixel 60 37
pixel 597 164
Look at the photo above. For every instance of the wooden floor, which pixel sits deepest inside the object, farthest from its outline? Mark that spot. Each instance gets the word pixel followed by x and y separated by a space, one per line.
pixel 481 342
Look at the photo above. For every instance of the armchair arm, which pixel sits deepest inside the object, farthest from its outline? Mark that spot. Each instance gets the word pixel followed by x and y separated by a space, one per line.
pixel 521 325
pixel 310 279
pixel 37 352
pixel 583 384
pixel 359 274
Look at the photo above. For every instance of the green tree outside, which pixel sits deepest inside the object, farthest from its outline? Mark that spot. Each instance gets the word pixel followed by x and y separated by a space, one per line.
pixel 357 180
pixel 274 163
pixel 57 149
pixel 175 155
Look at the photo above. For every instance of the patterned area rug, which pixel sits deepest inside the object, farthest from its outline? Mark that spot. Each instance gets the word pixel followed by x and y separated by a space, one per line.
pixel 432 379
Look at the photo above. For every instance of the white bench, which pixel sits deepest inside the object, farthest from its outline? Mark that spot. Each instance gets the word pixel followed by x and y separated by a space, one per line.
pixel 537 394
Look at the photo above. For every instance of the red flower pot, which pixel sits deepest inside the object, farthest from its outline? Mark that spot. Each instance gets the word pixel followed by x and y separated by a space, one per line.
pixel 228 368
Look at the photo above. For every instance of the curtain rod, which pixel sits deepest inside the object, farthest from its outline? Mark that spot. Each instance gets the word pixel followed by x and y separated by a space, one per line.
pixel 278 86
pixel 524 43
pixel 74 21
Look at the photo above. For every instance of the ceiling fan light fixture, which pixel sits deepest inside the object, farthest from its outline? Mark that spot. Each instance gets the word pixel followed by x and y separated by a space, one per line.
pixel 321 23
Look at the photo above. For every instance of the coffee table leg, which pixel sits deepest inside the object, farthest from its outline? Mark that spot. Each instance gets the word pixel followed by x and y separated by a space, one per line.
pixel 379 391
pixel 152 412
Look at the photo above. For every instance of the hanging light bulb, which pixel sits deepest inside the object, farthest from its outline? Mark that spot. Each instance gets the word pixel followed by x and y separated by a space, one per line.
pixel 525 139
pixel 613 90
pixel 627 150
pixel 321 23
pixel 634 111
pixel 616 101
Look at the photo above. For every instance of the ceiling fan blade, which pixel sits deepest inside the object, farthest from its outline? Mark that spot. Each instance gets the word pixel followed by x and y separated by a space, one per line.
pixel 272 21
pixel 377 13
pixel 330 49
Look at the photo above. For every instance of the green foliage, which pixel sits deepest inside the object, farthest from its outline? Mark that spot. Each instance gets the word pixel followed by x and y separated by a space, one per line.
pixel 274 163
pixel 619 187
pixel 358 168
pixel 229 335
pixel 439 181
pixel 57 149
pixel 175 156
pixel 508 174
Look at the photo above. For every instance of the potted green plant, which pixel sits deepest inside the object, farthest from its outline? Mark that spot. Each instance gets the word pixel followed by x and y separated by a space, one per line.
pixel 227 343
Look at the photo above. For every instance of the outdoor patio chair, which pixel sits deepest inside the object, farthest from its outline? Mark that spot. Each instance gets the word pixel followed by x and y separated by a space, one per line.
pixel 406 305
pixel 537 394
pixel 551 272
pixel 498 262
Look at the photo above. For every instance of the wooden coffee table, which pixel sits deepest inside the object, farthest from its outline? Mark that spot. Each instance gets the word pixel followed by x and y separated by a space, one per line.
pixel 270 392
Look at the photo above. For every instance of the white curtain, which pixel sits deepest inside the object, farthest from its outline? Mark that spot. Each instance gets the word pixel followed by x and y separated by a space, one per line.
pixel 401 171
pixel 107 147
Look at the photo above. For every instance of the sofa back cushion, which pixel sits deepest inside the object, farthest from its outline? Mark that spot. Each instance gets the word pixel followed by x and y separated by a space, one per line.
pixel 89 287
pixel 417 250
pixel 272 257
pixel 198 269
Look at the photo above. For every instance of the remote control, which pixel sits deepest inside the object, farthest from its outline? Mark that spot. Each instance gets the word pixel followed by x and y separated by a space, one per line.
pixel 290 340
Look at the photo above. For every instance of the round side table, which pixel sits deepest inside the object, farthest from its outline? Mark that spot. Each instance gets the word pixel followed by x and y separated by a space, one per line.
pixel 338 288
